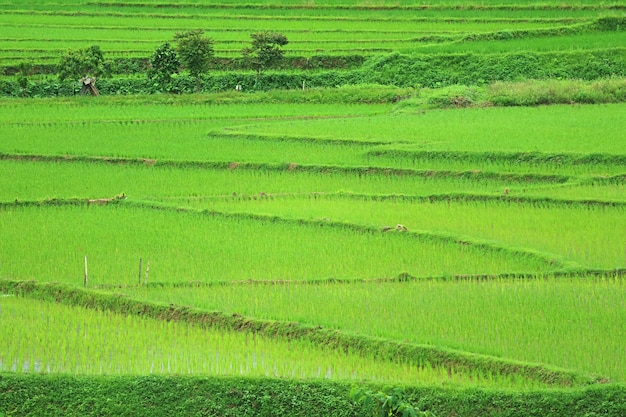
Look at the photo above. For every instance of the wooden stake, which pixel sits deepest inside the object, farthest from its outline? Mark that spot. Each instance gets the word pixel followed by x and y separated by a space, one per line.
pixel 147 271
pixel 86 274
pixel 139 275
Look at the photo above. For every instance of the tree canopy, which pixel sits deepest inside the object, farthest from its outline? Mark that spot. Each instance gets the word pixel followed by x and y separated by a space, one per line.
pixel 266 50
pixel 195 52
pixel 88 62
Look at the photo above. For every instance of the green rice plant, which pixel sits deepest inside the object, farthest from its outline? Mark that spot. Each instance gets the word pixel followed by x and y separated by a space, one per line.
pixel 486 4
pixel 542 163
pixel 44 31
pixel 550 129
pixel 580 41
pixel 48 338
pixel 107 25
pixel 38 179
pixel 615 191
pixel 572 323
pixel 49 243
pixel 153 131
pixel 178 129
pixel 587 233
pixel 193 107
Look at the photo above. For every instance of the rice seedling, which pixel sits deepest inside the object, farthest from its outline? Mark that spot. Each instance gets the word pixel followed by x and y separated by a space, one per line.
pixel 588 234
pixel 110 111
pixel 49 243
pixel 35 180
pixel 295 188
pixel 597 40
pixel 572 323
pixel 578 129
pixel 602 191
pixel 319 134
pixel 51 30
pixel 49 338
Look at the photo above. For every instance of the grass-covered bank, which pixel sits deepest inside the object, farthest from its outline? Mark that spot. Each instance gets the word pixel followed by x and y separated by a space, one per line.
pixel 394 69
pixel 56 395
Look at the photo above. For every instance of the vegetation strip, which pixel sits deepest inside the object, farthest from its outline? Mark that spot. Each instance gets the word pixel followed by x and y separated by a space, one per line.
pixel 615 273
pixel 393 69
pixel 600 25
pixel 301 17
pixel 513 7
pixel 472 174
pixel 244 136
pixel 510 157
pixel 150 396
pixel 451 197
pixel 418 355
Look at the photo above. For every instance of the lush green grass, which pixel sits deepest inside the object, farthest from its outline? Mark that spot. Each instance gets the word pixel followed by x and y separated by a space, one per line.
pixel 572 323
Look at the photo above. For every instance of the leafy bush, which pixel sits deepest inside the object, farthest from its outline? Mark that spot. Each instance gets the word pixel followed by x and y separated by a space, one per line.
pixel 388 403
pixel 475 69
pixel 43 395
pixel 163 64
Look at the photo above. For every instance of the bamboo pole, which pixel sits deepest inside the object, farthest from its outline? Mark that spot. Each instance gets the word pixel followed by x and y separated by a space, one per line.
pixel 140 270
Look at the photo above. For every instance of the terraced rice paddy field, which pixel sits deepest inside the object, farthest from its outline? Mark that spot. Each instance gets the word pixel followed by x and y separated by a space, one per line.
pixel 303 234
pixel 42 32
pixel 305 239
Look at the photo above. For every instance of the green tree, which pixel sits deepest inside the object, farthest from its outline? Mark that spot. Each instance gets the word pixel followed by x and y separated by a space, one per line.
pixel 163 64
pixel 25 70
pixel 266 50
pixel 88 62
pixel 195 52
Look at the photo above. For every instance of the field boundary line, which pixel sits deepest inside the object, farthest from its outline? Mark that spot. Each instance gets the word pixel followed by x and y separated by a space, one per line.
pixel 372 7
pixel 511 157
pixel 619 273
pixel 300 18
pixel 430 198
pixel 292 167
